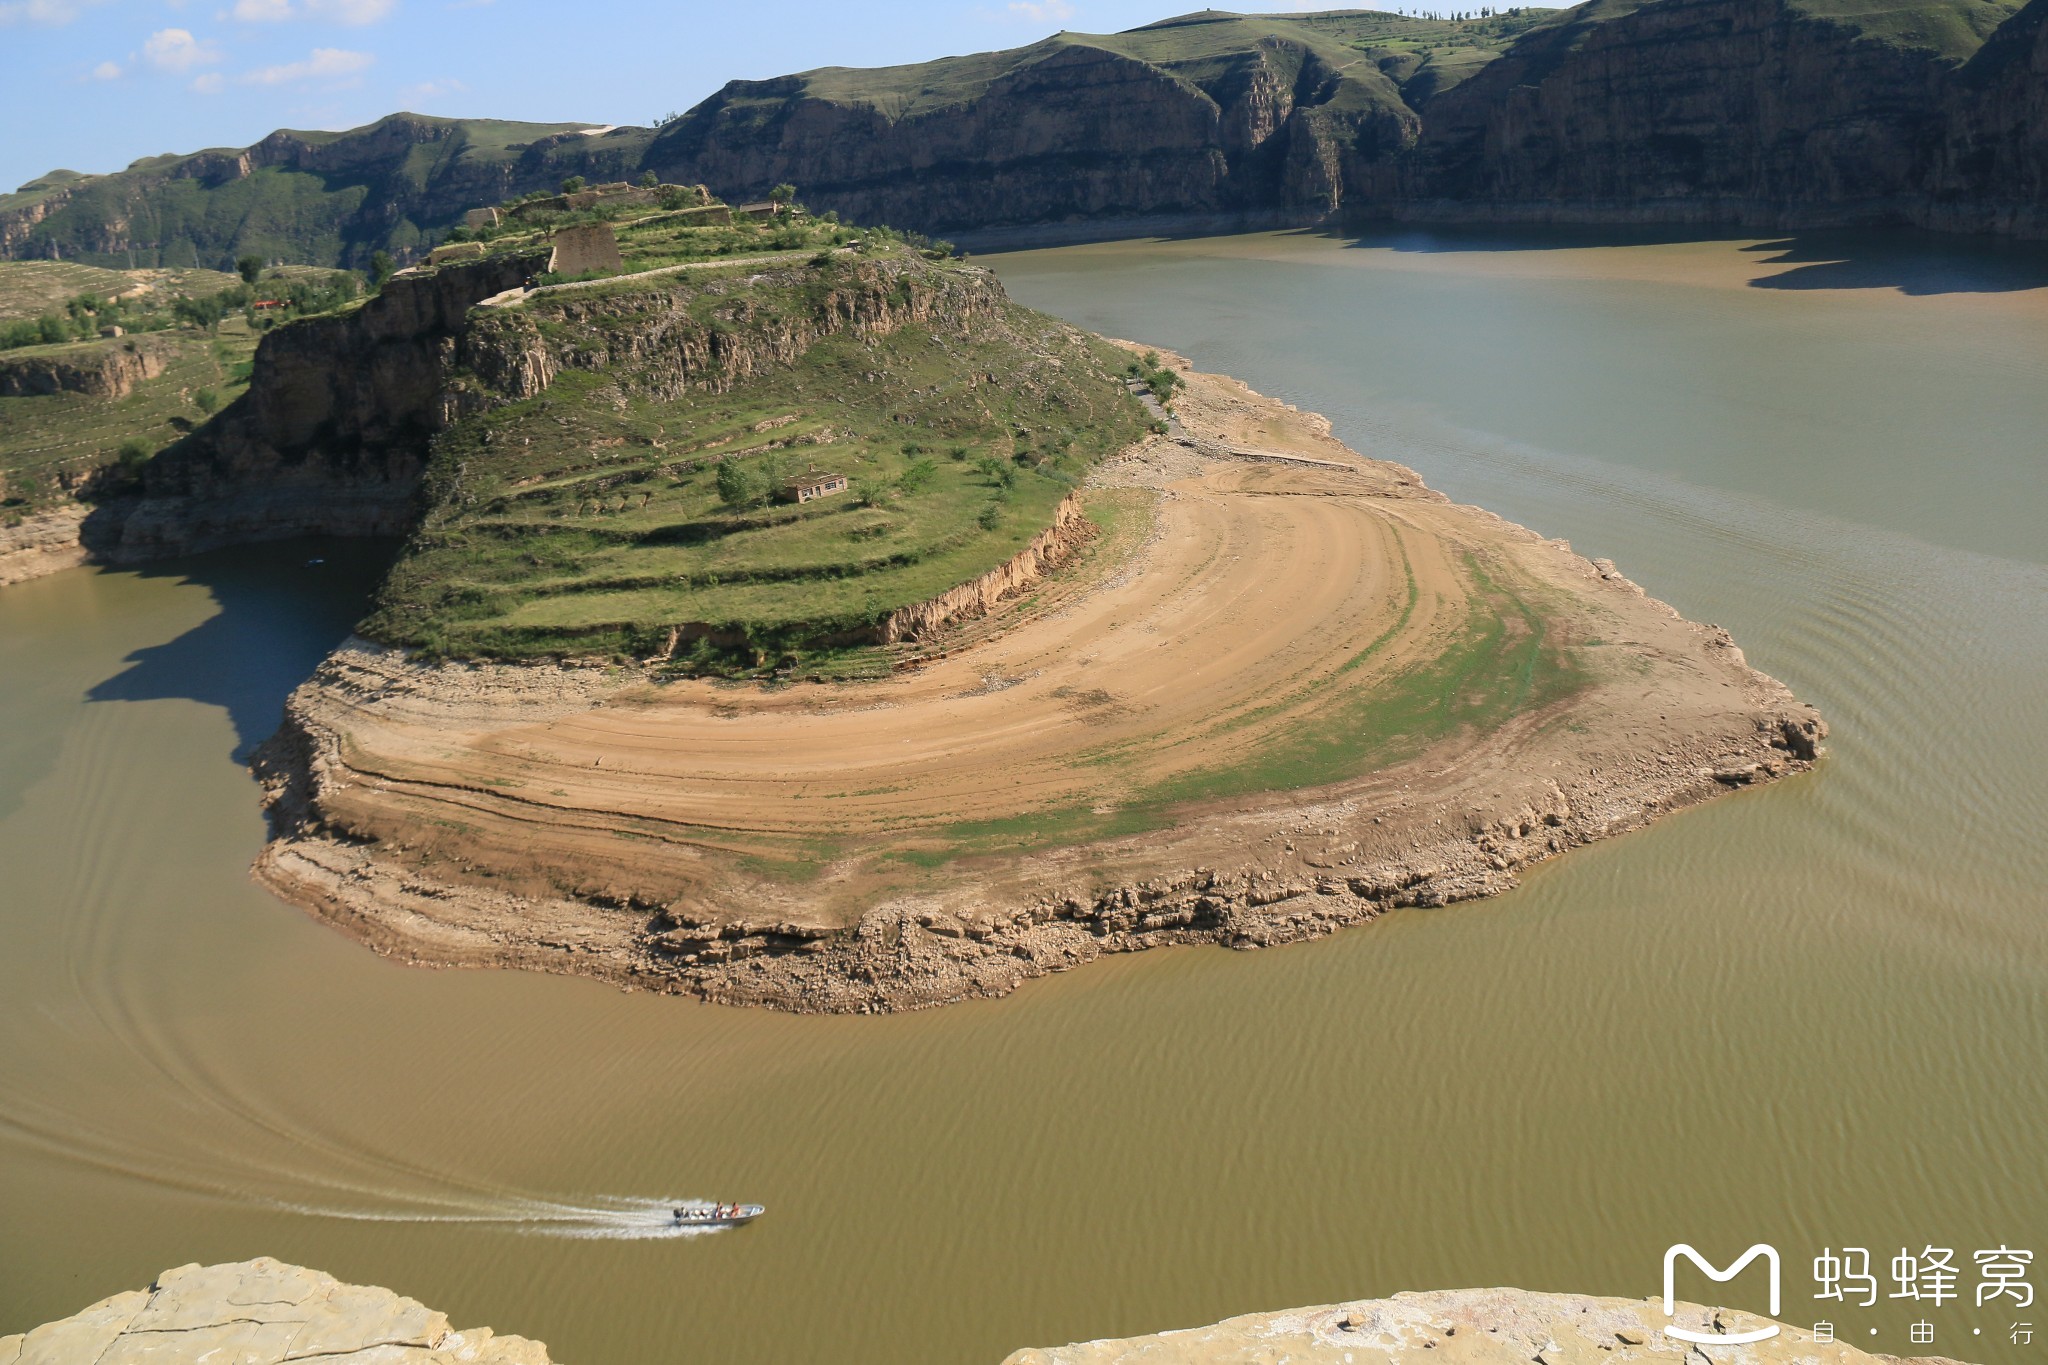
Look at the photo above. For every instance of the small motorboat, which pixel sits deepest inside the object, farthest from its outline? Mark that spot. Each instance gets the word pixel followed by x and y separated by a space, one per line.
pixel 716 1215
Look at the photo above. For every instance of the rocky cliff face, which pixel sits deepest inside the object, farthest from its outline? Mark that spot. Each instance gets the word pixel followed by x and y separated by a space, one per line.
pixel 331 436
pixel 262 1312
pixel 1760 112
pixel 1767 113
pixel 99 369
pixel 1991 172
pixel 318 198
pixel 1699 111
pixel 1072 131
pixel 669 340
pixel 1464 1327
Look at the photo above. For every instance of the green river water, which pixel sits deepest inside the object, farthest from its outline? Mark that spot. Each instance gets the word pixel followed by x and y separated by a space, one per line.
pixel 1814 1015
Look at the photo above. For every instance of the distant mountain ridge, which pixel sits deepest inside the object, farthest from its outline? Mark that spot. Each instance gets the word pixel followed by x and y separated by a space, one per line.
pixel 1759 113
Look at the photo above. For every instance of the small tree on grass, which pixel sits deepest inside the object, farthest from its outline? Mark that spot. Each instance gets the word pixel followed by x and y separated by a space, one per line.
pixel 249 268
pixel 784 193
pixel 206 400
pixel 738 486
pixel 133 455
pixel 381 266
pixel 920 475
pixel 573 184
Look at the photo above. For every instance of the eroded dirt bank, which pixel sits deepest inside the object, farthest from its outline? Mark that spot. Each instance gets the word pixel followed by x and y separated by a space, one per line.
pixel 1285 690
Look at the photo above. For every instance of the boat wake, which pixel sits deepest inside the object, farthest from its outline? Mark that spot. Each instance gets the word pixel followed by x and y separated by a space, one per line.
pixel 608 1218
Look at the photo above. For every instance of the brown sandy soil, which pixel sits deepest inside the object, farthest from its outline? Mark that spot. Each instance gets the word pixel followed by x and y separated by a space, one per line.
pixel 1273 698
pixel 1705 263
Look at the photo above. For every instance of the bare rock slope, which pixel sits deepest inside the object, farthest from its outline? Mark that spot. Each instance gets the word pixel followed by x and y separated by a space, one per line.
pixel 261 1312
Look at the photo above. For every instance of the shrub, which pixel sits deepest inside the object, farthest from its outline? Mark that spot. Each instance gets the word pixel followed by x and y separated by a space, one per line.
pixel 381 267
pixel 206 400
pixel 648 180
pixel 50 329
pixel 920 476
pixel 573 184
pixel 991 517
pixel 134 454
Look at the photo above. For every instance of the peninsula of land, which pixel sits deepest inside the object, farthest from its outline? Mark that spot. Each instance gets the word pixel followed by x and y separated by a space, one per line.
pixel 1283 689
pixel 786 616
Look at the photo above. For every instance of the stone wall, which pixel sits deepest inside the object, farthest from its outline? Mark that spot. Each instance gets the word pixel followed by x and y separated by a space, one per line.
pixel 582 250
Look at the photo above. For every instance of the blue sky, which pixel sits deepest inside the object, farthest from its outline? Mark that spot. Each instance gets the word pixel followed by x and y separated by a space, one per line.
pixel 91 85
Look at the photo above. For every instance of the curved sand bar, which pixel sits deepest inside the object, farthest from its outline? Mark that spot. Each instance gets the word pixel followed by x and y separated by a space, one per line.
pixel 1285 689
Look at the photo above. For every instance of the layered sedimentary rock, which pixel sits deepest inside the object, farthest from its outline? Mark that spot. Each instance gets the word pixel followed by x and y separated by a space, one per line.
pixel 320 198
pixel 108 369
pixel 1991 174
pixel 1465 1327
pixel 1759 112
pixel 331 436
pixel 1068 130
pixel 1753 112
pixel 261 1312
pixel 1046 552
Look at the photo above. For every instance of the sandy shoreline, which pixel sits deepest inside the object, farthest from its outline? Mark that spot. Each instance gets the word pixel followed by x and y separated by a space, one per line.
pixel 870 847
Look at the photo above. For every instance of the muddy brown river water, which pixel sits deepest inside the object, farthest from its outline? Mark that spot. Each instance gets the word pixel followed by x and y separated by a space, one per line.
pixel 1814 1015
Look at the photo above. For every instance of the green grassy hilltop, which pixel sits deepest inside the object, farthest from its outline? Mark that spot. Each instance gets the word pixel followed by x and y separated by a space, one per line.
pixel 618 512
pixel 601 457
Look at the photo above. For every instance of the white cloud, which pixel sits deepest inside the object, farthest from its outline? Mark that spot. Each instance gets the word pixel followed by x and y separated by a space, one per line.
pixel 349 11
pixel 1043 11
pixel 431 90
pixel 107 71
pixel 175 49
pixel 209 84
pixel 42 11
pixel 327 64
pixel 354 13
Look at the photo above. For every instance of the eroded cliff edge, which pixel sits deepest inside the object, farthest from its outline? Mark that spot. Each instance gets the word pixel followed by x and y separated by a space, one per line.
pixel 261 1312
pixel 1466 1327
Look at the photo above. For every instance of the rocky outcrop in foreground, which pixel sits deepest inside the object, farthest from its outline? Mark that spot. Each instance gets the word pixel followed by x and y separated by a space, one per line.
pixel 1463 1327
pixel 261 1312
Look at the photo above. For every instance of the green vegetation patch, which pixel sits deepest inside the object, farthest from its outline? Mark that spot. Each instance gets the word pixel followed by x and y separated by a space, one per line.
pixel 609 514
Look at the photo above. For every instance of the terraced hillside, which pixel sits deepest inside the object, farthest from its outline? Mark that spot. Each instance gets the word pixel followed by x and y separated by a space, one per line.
pixel 57 444
pixel 636 504
pixel 31 288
